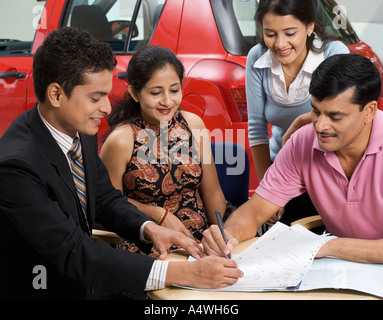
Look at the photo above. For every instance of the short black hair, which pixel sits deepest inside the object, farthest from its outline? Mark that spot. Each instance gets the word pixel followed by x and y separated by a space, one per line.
pixel 341 72
pixel 65 56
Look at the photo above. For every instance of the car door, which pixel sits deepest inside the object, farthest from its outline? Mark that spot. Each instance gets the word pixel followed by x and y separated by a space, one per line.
pixel 18 25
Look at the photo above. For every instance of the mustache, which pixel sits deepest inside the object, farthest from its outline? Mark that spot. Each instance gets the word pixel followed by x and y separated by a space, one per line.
pixel 327 134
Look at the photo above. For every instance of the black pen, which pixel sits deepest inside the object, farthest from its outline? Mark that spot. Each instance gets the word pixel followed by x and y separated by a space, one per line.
pixel 220 225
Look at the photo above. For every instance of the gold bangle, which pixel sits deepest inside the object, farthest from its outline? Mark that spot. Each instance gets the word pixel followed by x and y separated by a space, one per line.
pixel 159 220
pixel 163 216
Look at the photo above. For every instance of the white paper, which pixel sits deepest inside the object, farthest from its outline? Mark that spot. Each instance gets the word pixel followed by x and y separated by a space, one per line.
pixel 283 259
pixel 341 274
pixel 279 259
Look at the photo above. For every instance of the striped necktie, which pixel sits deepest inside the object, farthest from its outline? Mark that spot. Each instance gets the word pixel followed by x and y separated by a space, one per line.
pixel 77 167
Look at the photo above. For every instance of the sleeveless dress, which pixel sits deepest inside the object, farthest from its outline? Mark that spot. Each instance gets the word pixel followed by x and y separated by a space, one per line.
pixel 165 171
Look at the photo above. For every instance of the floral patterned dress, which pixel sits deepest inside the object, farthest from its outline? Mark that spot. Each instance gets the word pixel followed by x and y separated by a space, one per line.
pixel 165 171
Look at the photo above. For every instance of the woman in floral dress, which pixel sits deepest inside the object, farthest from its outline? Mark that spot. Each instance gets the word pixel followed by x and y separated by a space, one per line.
pixel 159 155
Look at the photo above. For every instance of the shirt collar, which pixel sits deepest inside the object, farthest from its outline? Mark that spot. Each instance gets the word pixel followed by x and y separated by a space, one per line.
pixel 267 60
pixel 63 140
pixel 313 59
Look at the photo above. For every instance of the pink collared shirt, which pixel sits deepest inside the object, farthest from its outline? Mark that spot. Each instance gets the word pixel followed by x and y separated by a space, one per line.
pixel 349 208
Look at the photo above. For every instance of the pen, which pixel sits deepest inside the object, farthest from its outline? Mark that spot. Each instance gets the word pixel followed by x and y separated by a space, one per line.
pixel 220 225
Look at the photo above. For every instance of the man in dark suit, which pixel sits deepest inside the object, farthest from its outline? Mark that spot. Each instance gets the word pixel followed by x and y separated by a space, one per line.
pixel 46 248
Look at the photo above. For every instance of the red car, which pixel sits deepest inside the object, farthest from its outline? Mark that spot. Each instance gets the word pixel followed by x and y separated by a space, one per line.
pixel 211 37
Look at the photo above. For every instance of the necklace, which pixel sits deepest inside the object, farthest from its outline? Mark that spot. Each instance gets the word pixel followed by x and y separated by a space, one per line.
pixel 288 74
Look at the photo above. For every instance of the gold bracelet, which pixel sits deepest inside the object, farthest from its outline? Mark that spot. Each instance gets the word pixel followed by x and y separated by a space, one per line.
pixel 163 216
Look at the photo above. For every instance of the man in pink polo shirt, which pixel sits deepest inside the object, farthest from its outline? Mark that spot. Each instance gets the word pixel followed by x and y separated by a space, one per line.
pixel 338 160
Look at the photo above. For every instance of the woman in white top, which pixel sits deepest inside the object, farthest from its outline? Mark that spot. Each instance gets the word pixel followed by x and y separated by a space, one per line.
pixel 278 74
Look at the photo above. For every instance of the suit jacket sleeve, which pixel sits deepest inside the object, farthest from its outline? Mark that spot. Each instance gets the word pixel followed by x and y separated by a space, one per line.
pixel 31 197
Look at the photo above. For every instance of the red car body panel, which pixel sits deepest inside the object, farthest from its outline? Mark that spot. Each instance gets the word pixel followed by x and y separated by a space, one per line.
pixel 214 85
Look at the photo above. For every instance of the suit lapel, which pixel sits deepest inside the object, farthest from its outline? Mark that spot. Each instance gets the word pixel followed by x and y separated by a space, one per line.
pixel 51 149
pixel 58 160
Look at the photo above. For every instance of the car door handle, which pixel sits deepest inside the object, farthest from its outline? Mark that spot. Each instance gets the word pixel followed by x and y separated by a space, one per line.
pixel 13 74
pixel 122 75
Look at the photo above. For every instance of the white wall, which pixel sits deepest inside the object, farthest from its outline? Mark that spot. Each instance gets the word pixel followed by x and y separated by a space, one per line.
pixel 366 18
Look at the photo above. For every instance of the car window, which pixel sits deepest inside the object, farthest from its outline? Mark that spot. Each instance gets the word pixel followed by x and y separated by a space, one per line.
pixel 126 25
pixel 234 23
pixel 18 25
pixel 244 11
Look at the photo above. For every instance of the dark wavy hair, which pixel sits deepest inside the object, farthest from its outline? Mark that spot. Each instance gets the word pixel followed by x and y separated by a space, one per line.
pixel 303 10
pixel 340 72
pixel 140 70
pixel 65 56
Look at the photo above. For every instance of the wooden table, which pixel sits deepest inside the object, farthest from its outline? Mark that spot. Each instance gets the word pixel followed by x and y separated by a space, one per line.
pixel 174 293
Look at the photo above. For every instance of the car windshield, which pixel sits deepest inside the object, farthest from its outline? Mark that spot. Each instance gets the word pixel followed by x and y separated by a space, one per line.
pixel 239 32
pixel 18 25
